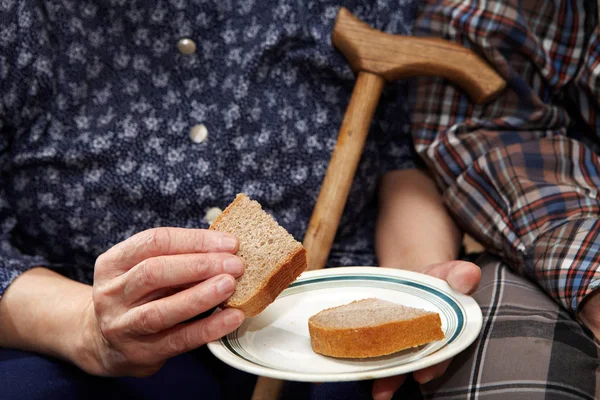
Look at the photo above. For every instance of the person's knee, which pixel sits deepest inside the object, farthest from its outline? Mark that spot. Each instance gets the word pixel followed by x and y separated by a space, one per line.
pixel 528 346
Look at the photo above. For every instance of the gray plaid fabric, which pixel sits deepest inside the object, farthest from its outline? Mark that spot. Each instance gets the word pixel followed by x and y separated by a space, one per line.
pixel 529 348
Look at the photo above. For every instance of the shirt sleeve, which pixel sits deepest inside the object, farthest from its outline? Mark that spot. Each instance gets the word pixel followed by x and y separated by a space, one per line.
pixel 25 88
pixel 13 261
pixel 518 173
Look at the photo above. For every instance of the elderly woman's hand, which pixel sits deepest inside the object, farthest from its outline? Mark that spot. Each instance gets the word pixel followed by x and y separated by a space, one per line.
pixel 148 287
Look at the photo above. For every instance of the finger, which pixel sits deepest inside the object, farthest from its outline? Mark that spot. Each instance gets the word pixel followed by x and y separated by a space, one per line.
pixel 161 242
pixel 435 371
pixel 176 271
pixel 164 313
pixel 384 389
pixel 462 276
pixel 186 337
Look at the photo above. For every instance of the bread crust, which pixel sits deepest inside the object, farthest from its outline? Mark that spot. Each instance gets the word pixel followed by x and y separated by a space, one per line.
pixel 277 282
pixel 374 341
pixel 281 277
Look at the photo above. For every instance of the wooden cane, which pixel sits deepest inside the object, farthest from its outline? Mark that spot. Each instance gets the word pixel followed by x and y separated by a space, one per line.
pixel 377 58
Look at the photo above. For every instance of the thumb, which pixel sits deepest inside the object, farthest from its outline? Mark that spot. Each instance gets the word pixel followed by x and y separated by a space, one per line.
pixel 462 276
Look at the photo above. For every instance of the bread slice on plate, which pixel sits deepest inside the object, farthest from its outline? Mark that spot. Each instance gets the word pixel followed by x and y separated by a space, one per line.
pixel 273 258
pixel 371 328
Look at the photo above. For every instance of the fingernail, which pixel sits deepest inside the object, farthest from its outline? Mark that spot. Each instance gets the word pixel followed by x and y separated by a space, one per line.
pixel 233 318
pixel 228 243
pixel 233 265
pixel 225 285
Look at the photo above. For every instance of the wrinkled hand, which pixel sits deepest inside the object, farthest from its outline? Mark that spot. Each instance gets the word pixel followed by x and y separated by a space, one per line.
pixel 148 286
pixel 463 277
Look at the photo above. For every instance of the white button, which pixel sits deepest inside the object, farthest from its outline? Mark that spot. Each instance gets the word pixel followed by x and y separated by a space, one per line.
pixel 212 214
pixel 186 46
pixel 198 133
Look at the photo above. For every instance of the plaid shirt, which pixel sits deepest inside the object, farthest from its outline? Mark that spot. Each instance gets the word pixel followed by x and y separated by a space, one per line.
pixel 522 173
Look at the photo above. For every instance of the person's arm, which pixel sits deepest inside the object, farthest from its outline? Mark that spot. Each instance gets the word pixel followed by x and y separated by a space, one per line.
pixel 44 312
pixel 413 227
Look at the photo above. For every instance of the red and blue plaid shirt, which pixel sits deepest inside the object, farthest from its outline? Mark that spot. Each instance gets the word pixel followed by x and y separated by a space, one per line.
pixel 522 174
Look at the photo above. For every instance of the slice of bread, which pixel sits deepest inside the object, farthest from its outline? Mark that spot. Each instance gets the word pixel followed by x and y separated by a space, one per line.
pixel 273 258
pixel 371 328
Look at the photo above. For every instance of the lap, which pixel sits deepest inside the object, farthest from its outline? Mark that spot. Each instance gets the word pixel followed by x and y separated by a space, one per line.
pixel 195 375
pixel 529 347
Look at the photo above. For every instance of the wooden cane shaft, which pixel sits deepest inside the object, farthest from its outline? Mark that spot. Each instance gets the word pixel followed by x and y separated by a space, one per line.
pixel 342 166
pixel 267 389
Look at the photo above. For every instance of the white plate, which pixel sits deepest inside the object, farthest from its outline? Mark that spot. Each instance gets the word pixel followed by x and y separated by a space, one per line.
pixel 276 342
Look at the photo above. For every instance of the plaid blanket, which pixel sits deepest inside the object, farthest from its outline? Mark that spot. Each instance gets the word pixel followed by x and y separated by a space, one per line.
pixel 522 176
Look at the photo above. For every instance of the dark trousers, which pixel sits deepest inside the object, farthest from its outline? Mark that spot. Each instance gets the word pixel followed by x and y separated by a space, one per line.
pixel 196 375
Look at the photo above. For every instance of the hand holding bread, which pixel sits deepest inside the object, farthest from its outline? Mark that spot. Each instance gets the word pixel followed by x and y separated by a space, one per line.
pixel 147 291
